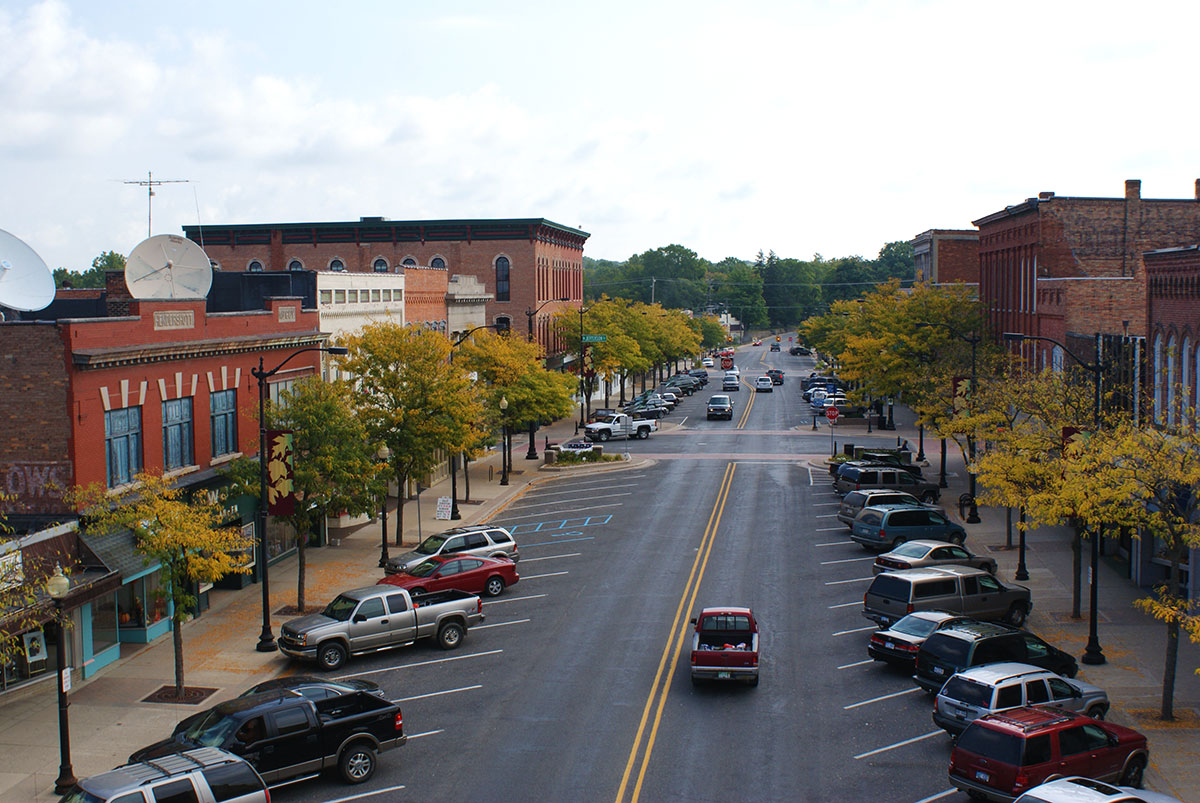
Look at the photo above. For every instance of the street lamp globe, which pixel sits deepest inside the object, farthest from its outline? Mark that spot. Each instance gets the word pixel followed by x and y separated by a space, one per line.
pixel 58 585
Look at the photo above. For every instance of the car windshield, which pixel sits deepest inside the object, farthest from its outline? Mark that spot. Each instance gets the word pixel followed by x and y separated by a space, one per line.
pixel 431 545
pixel 212 729
pixel 910 550
pixel 425 568
pixel 967 691
pixel 917 626
pixel 78 795
pixel 719 401
pixel 1003 748
pixel 340 609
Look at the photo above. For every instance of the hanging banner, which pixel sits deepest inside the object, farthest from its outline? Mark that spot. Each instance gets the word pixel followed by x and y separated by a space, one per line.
pixel 281 490
pixel 962 395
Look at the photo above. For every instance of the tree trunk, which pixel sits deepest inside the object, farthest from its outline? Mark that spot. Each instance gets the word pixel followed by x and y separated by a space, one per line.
pixel 301 563
pixel 624 378
pixel 466 461
pixel 400 496
pixel 607 388
pixel 177 641
pixel 1172 656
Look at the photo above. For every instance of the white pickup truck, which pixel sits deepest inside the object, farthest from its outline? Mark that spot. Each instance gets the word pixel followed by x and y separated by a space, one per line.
pixel 619 425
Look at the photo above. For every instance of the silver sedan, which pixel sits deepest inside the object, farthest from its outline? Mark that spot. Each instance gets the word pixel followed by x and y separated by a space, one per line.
pixel 921 553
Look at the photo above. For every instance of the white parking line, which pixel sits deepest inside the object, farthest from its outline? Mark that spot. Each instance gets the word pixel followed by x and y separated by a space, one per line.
pixel 513 599
pixel 851 580
pixel 827 504
pixel 884 697
pixel 436 694
pixel 426 733
pixel 855 630
pixel 362 795
pixel 552 557
pixel 575 489
pixel 857 663
pixel 845 560
pixel 938 796
pixel 829 529
pixel 929 735
pixel 842 605
pixel 540 576
pixel 834 543
pixel 502 624
pixel 566 501
pixel 810 476
pixel 574 510
pixel 420 663
pixel 827 516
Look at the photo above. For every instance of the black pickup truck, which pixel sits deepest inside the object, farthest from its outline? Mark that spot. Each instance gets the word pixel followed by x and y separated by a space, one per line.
pixel 284 736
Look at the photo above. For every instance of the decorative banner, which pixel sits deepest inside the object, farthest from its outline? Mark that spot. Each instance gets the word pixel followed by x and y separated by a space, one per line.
pixel 962 395
pixel 281 489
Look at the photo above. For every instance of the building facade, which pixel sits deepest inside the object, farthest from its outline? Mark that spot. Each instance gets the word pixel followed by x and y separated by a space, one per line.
pixel 946 255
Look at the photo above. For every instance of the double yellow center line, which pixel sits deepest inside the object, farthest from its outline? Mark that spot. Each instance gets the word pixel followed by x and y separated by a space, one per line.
pixel 677 637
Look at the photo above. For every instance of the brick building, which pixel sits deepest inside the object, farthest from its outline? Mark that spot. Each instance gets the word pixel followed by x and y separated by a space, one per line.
pixel 1068 268
pixel 946 255
pixel 521 263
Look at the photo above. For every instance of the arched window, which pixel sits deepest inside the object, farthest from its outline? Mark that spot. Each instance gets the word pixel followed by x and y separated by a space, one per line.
pixel 1185 383
pixel 1056 359
pixel 1172 355
pixel 437 262
pixel 255 266
pixel 1158 379
pixel 409 261
pixel 337 265
pixel 380 265
pixel 502 271
pixel 295 264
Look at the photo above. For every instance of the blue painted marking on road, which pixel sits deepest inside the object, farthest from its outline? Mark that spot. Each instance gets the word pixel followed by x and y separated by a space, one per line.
pixel 558 524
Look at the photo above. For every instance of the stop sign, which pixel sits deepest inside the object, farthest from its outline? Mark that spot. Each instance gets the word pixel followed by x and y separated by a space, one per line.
pixel 831 413
pixel 727 363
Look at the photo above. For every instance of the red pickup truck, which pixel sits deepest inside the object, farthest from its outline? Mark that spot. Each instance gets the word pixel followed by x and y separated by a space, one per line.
pixel 725 645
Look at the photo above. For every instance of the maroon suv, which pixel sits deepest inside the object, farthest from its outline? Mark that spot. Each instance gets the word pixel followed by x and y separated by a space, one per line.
pixel 1000 756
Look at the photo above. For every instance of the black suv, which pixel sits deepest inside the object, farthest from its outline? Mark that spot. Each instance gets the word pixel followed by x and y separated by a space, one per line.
pixel 720 407
pixel 976 643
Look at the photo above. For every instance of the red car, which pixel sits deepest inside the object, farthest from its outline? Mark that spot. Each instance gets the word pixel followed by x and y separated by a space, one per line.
pixel 475 575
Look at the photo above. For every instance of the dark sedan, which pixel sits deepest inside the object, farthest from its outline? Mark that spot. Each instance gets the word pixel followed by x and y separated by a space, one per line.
pixel 720 407
pixel 898 645
pixel 475 575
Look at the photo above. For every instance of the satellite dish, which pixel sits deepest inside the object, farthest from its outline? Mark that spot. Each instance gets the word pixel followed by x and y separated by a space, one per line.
pixel 25 281
pixel 168 266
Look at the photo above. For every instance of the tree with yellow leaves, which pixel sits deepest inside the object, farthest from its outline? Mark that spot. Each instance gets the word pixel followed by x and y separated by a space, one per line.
pixel 180 533
pixel 510 367
pixel 24 602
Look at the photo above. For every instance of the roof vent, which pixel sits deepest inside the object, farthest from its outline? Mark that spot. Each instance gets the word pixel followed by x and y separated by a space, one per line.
pixel 372 219
pixel 1045 196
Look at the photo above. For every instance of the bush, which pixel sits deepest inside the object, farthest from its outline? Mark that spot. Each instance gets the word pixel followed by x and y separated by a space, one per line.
pixel 574 459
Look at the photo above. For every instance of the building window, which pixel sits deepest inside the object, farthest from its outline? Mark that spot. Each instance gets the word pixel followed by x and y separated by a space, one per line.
pixel 409 261
pixel 177 433
pixel 380 265
pixel 295 264
pixel 1185 383
pixel 337 265
pixel 104 623
pixel 1057 356
pixel 502 268
pixel 123 444
pixel 438 262
pixel 1172 353
pixel 224 422
pixel 255 266
pixel 276 388
pixel 339 296
pixel 326 296
pixel 1158 380
pixel 503 324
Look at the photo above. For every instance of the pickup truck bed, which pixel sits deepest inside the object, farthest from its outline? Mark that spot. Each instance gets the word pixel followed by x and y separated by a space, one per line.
pixel 725 646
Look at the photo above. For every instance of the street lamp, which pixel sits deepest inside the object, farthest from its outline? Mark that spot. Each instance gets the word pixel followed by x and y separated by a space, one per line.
pixel 532 453
pixel 454 514
pixel 503 441
pixel 266 640
pixel 383 455
pixel 974 339
pixel 1092 654
pixel 1022 570
pixel 582 348
pixel 58 586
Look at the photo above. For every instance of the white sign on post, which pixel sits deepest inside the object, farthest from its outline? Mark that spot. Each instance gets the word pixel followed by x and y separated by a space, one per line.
pixel 66 680
pixel 444 505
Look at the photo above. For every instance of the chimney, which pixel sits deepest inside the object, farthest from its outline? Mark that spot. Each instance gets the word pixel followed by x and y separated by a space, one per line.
pixel 1133 189
pixel 1198 189
pixel 1045 196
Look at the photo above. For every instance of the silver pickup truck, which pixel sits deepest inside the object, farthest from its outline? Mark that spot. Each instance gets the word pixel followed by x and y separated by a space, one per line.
pixel 377 618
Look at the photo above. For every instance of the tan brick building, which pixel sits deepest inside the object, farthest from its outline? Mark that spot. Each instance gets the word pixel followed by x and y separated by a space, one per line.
pixel 946 255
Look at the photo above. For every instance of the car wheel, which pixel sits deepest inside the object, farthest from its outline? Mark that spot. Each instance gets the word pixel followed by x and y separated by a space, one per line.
pixel 929 497
pixel 418 590
pixel 897 541
pixel 1132 774
pixel 643 433
pixel 450 635
pixel 357 763
pixel 331 656
pixel 695 680
pixel 494 586
pixel 957 539
pixel 752 681
pixel 1097 711
pixel 604 435
pixel 1016 615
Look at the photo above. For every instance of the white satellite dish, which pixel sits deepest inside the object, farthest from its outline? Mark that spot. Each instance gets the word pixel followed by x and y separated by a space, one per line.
pixel 168 266
pixel 25 281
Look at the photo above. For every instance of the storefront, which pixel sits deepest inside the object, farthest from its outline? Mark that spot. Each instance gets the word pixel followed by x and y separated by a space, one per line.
pixel 1151 566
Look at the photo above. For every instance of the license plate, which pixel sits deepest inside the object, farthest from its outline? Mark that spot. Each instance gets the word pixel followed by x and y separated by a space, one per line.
pixel 890 645
pixel 937 670
pixel 723 676
pixel 982 776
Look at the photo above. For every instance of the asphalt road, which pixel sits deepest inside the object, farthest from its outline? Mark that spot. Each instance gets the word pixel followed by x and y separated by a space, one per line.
pixel 576 686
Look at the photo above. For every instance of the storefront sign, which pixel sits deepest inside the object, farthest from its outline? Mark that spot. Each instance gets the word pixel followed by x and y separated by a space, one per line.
pixel 444 504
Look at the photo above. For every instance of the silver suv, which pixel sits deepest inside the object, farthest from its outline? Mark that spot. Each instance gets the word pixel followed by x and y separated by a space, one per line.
pixel 987 689
pixel 478 539
pixel 206 775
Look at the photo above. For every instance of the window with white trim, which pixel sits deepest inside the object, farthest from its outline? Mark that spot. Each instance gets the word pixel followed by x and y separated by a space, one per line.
pixel 122 445
pixel 223 415
pixel 177 433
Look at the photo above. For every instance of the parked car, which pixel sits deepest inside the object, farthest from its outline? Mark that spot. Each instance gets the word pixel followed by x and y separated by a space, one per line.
pixel 983 690
pixel 1078 789
pixel 205 775
pixel 621 425
pixel 857 476
pixel 576 446
pixel 921 553
pixel 701 374
pixel 776 375
pixel 475 575
pixel 720 407
pixel 283 736
pixel 898 644
pixel 707 362
pixel 855 501
pixel 650 410
pixel 365 620
pixel 1000 756
pixel 686 384
pixel 476 539
pixel 957 589
pixel 314 688
pixel 889 526
pixel 763 384
pixel 797 351
pixel 731 382
pixel 893 459
pixel 725 645
pixel 977 643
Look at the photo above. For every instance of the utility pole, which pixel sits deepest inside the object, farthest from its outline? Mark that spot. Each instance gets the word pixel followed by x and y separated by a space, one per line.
pixel 150 182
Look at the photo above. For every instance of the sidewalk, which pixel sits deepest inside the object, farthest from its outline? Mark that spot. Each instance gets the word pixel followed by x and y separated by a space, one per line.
pixel 1133 643
pixel 108 719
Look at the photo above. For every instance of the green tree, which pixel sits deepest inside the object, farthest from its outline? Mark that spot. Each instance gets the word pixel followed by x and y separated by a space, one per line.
pixel 24 602
pixel 183 535
pixel 511 368
pixel 92 278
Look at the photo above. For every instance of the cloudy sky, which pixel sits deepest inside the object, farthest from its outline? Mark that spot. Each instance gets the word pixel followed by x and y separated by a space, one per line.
pixel 804 127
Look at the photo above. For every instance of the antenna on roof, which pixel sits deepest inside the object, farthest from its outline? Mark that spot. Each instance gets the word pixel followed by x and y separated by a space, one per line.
pixel 150 182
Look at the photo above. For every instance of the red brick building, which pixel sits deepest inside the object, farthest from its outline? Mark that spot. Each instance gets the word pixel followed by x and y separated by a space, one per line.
pixel 1173 312
pixel 1068 268
pixel 947 255
pixel 522 263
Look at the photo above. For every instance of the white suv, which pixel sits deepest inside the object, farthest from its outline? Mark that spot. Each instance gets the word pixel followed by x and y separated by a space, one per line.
pixel 204 775
pixel 478 539
pixel 990 688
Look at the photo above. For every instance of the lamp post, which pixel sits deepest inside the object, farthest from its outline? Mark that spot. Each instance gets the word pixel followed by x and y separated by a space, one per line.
pixel 383 454
pixel 57 587
pixel 503 441
pixel 974 339
pixel 1092 654
pixel 532 453
pixel 582 391
pixel 266 640
pixel 1022 571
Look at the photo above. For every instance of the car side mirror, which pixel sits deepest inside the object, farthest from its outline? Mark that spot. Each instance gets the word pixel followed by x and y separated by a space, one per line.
pixel 360 617
pixel 693 621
